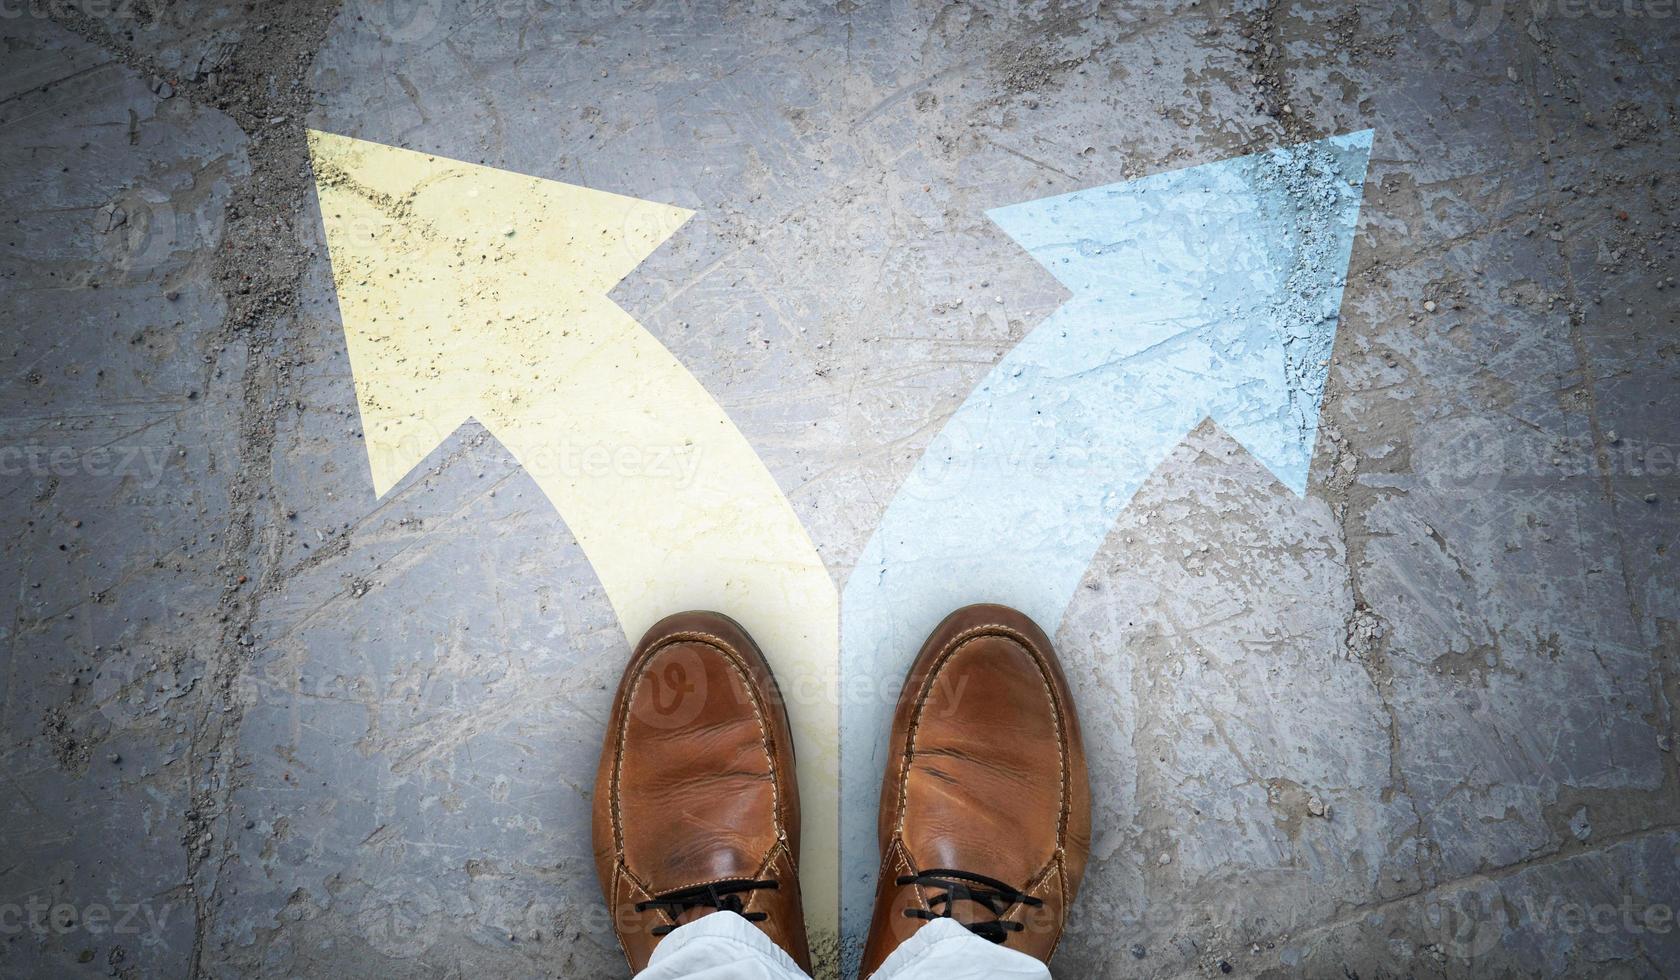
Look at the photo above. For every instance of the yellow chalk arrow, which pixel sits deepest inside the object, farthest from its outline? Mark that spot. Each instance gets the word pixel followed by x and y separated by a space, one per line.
pixel 473 293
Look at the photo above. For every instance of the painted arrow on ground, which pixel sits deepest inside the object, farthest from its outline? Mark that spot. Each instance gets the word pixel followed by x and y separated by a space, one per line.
pixel 1211 292
pixel 473 293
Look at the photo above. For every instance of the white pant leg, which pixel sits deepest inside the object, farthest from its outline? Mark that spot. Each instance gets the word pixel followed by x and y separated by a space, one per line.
pixel 944 950
pixel 724 946
pixel 720 946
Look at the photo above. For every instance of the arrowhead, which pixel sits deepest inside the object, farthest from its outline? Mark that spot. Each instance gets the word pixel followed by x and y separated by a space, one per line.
pixel 463 288
pixel 1221 282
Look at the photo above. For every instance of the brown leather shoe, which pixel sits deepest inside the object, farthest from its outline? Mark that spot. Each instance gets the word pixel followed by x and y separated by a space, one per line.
pixel 986 808
pixel 696 804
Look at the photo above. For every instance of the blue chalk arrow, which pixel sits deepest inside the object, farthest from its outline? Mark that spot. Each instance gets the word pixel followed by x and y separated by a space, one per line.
pixel 1211 292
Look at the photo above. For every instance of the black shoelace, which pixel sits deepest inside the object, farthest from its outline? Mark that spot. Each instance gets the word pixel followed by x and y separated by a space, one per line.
pixel 960 886
pixel 725 896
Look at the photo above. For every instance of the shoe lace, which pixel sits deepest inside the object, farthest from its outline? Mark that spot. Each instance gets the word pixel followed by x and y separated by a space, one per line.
pixel 960 886
pixel 725 896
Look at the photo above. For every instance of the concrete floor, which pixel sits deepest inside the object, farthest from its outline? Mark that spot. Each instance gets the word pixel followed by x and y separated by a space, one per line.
pixel 1419 722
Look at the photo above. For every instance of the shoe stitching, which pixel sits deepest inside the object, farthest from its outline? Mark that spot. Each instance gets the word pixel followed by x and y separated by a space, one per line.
pixel 1033 885
pixel 1065 790
pixel 1061 924
pixel 618 903
pixel 735 660
pixel 951 647
pixel 758 899
pixel 763 868
pixel 903 855
pixel 622 874
pixel 898 858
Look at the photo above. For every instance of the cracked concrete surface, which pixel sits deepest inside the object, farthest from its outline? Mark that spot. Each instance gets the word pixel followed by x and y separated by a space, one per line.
pixel 1418 723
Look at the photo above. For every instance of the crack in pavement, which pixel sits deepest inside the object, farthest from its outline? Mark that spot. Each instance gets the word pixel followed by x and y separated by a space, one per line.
pixel 260 274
